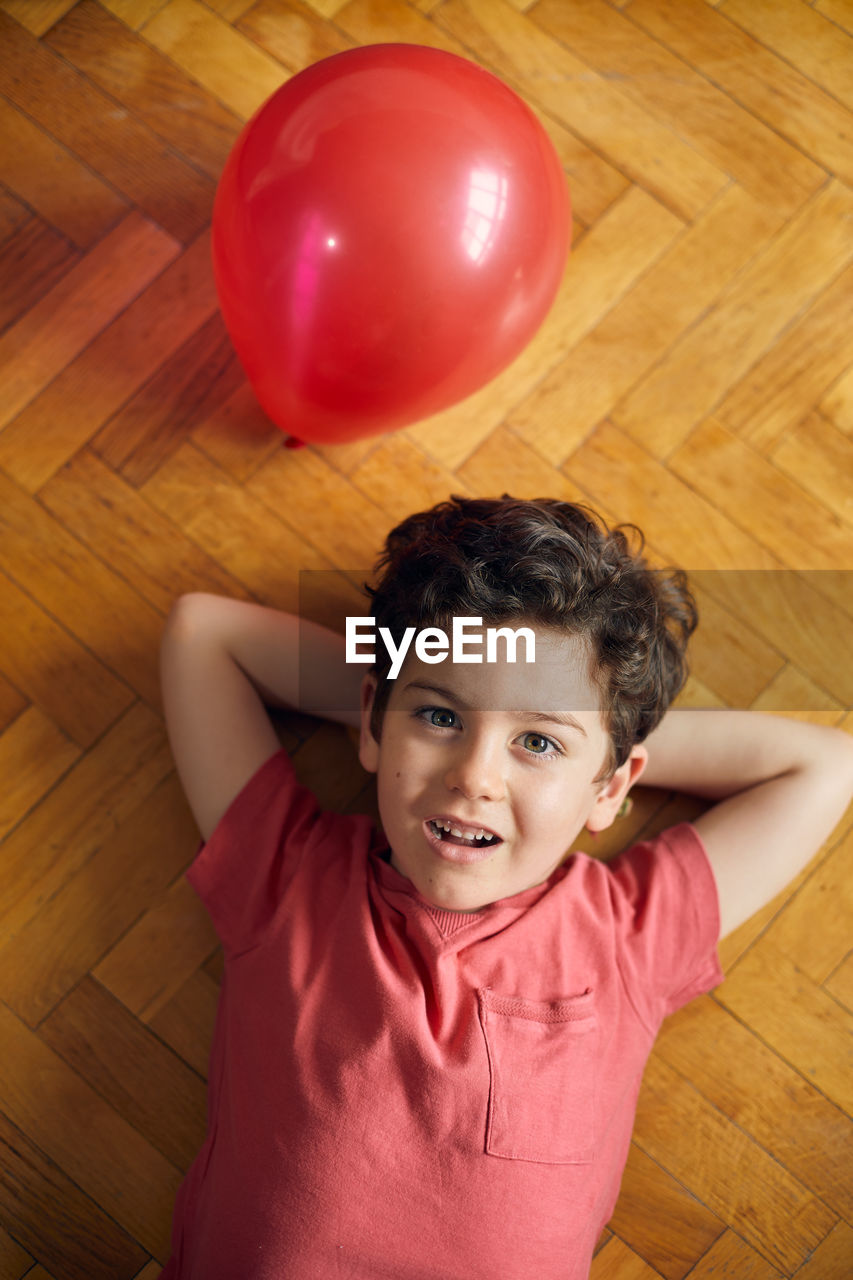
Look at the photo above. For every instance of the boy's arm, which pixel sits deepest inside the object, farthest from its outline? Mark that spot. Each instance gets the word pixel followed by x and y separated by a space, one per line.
pixel 220 661
pixel 782 785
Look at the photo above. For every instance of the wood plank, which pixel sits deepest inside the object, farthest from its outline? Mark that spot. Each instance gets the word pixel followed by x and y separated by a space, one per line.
pixel 769 505
pixel 83 1239
pixel 13 214
pixel 231 67
pixel 788 1115
pixel 64 321
pixel 81 811
pixel 163 949
pixel 92 502
pixel 327 763
pixel 97 904
pixel 133 13
pixel 107 1158
pixel 181 112
pixel 769 1208
pixel 186 1022
pixel 753 76
pixel 837 404
pixel 795 1017
pixel 792 693
pixel 163 318
pixel 345 457
pixel 401 479
pixel 33 756
pixel 326 8
pixel 127 1065
pixel 503 460
pixel 806 616
pixel 12 703
pixel 62 190
pixel 669 298
pixel 32 260
pixel 802 37
pixel 99 609
pixel 151 1272
pixel 230 9
pixel 14 1261
pixel 731 1258
pixel 294 34
pixel 750 315
pixel 826 896
pixel 797 370
pixel 838 11
pixel 543 71
pixel 38 16
pixel 815 454
pixel 840 983
pixel 121 150
pixel 616 1261
pixel 366 23
pixel 682 525
pixel 238 435
pixel 57 674
pixel 730 138
pixel 660 1219
pixel 831 1259
pixel 307 493
pixel 262 554
pixel 191 384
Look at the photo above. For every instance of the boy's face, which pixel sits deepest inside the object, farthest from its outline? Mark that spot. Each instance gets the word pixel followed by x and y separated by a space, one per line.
pixel 512 748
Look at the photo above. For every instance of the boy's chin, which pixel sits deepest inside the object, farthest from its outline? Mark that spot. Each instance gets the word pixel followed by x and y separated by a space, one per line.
pixel 442 904
pixel 462 899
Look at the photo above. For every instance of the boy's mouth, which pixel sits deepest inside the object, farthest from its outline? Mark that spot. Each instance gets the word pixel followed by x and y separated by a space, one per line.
pixel 454 833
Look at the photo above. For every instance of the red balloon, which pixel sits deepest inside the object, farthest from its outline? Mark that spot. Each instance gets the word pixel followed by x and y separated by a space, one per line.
pixel 389 231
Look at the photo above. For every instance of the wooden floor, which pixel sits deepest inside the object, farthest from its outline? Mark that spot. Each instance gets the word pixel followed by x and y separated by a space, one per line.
pixel 695 376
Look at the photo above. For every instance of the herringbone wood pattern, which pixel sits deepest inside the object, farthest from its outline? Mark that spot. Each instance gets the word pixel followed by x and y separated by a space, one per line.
pixel 695 376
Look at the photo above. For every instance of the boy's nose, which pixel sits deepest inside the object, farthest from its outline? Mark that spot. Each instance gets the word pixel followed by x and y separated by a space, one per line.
pixel 476 772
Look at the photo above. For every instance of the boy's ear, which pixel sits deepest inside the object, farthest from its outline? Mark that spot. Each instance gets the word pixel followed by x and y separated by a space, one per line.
pixel 609 799
pixel 368 747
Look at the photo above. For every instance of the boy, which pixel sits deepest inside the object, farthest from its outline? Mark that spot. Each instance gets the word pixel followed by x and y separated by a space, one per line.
pixel 430 1038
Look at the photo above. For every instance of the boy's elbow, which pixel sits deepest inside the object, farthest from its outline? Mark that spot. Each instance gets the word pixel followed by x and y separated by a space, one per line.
pixel 181 606
pixel 845 752
pixel 832 765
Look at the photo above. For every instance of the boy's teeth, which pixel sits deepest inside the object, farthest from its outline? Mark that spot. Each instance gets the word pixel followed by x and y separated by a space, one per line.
pixel 464 833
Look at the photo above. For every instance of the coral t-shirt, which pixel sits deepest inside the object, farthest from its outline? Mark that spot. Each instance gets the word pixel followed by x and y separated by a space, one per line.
pixel 398 1092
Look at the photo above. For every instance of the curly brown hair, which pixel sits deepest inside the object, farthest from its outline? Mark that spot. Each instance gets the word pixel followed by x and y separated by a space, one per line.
pixel 554 563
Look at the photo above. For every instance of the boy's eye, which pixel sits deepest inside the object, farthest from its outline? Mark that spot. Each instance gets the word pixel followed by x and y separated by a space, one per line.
pixel 439 716
pixel 537 743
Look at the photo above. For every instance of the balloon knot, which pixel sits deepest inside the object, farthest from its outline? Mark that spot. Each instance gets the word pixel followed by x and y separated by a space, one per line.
pixel 292 443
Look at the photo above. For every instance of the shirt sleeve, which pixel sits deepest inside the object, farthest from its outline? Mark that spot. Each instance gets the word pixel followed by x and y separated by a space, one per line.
pixel 666 909
pixel 243 870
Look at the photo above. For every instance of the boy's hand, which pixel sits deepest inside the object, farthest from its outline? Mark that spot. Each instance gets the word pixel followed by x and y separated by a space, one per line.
pixel 782 786
pixel 220 660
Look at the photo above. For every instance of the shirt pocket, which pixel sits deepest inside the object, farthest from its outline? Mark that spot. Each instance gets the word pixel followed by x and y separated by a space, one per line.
pixel 542 1065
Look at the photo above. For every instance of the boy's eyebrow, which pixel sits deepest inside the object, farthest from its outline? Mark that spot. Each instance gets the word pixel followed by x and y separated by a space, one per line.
pixel 555 717
pixel 549 717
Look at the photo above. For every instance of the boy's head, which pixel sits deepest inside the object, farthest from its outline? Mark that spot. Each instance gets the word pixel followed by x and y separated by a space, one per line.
pixel 552 563
pixel 486 773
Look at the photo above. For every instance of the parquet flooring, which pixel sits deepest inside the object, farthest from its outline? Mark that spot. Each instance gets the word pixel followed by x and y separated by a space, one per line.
pixel 695 376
